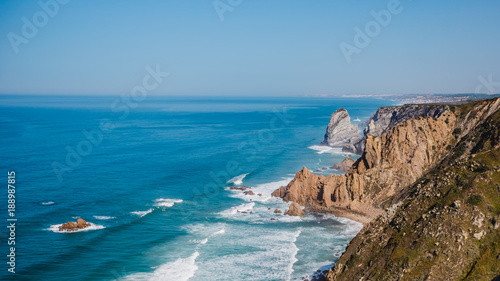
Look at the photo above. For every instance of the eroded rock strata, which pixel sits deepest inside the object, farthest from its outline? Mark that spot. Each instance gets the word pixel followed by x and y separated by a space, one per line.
pixel 345 165
pixel 340 130
pixel 389 163
pixel 386 118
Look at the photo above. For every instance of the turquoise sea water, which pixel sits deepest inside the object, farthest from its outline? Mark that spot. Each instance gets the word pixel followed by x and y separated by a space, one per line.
pixel 154 182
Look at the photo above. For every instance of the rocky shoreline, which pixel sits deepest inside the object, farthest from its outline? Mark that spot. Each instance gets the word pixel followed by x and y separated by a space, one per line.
pixel 401 146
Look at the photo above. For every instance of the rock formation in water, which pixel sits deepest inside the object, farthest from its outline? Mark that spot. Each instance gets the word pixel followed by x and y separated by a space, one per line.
pixel 429 186
pixel 345 165
pixel 340 130
pixel 72 226
pixel 294 210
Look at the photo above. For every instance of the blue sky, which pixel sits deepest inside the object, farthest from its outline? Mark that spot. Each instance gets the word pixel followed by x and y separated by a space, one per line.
pixel 261 47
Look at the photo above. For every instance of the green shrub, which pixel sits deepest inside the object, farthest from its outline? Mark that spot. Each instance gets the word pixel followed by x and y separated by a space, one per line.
pixel 352 260
pixel 457 131
pixel 475 200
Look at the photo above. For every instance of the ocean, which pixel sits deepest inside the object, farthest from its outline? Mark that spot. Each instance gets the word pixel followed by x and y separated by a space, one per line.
pixel 153 178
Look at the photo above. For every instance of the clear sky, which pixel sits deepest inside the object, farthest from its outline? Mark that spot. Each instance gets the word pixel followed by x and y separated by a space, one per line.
pixel 254 47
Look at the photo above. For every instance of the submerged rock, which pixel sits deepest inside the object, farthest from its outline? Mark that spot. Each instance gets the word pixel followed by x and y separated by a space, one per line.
pixel 243 188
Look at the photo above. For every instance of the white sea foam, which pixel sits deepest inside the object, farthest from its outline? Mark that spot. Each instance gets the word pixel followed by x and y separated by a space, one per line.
pixel 262 254
pixel 104 217
pixel 320 149
pixel 247 207
pixel 238 180
pixel 55 228
pixel 293 259
pixel 264 190
pixel 142 213
pixel 180 270
pixel 222 231
pixel 48 203
pixel 165 202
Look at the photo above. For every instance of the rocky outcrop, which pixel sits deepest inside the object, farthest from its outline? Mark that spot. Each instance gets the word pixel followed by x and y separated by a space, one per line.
pixel 389 163
pixel 295 210
pixel 340 130
pixel 386 118
pixel 345 165
pixel 443 224
pixel 72 226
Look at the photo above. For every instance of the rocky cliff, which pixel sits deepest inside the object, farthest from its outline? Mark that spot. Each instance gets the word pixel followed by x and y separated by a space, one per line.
pixel 340 130
pixel 441 221
pixel 387 118
pixel 345 165
pixel 389 163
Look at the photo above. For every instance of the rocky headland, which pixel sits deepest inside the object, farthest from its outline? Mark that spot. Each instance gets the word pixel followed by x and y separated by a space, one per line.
pixel 426 188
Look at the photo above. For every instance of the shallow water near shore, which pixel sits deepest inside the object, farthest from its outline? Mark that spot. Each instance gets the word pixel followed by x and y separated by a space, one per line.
pixel 156 187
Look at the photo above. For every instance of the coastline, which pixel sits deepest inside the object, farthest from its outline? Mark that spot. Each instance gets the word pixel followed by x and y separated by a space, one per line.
pixel 344 213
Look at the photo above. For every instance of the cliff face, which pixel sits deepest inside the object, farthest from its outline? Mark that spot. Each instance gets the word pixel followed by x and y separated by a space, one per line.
pixel 440 223
pixel 386 118
pixel 340 130
pixel 389 163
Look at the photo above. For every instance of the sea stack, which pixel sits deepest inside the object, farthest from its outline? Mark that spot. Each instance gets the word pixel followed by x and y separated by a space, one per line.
pixel 340 130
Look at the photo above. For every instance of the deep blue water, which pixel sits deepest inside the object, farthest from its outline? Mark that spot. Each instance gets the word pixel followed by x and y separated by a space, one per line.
pixel 130 182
